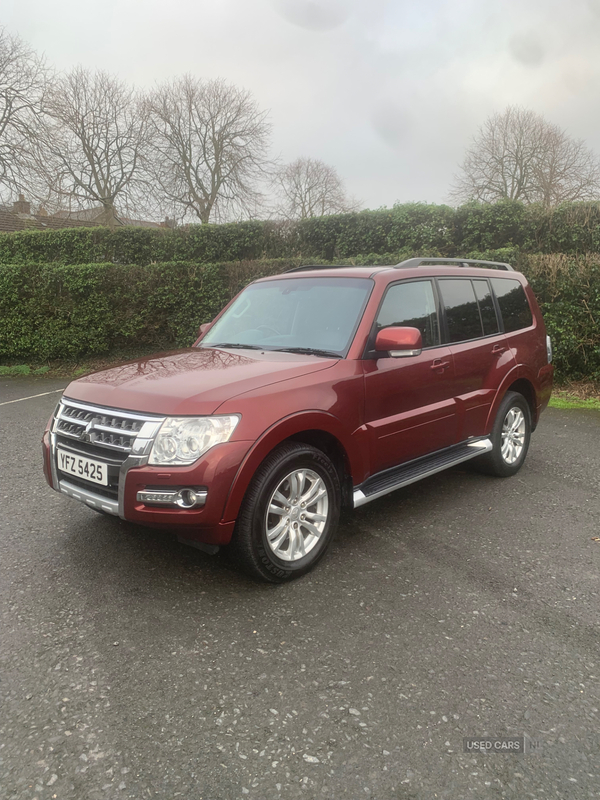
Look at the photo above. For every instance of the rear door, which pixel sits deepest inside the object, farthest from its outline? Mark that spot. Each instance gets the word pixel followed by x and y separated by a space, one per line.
pixel 409 401
pixel 481 355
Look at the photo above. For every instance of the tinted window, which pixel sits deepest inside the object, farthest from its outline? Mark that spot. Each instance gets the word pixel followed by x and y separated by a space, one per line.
pixel 513 304
pixel 462 312
pixel 411 305
pixel 486 307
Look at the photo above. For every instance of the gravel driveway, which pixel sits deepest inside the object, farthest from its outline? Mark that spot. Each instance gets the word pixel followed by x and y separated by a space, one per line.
pixel 463 606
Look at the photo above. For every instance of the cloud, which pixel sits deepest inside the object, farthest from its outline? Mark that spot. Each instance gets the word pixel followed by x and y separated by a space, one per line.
pixel 527 49
pixel 393 124
pixel 315 15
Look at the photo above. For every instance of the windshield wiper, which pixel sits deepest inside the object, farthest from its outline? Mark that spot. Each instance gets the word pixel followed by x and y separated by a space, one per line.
pixel 236 344
pixel 308 351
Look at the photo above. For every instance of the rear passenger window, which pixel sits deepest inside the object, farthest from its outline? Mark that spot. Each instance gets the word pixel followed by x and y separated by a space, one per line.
pixel 462 311
pixel 411 305
pixel 513 304
pixel 487 309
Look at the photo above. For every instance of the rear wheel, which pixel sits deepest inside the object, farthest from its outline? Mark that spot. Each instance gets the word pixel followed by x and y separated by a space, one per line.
pixel 289 514
pixel 510 437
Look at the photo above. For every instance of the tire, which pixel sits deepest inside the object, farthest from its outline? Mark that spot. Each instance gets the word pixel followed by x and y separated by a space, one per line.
pixel 510 438
pixel 278 546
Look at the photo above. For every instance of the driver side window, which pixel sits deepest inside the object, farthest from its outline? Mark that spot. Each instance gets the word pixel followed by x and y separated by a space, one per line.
pixel 411 305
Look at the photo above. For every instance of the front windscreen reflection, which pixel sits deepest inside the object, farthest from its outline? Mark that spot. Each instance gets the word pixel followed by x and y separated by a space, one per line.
pixel 312 313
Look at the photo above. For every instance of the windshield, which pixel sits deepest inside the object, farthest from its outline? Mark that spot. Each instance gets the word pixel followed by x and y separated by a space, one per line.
pixel 309 314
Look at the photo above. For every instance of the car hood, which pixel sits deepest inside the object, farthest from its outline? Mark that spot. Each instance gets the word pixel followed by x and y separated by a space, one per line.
pixel 193 381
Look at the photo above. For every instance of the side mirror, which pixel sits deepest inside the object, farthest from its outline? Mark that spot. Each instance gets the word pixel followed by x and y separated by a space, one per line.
pixel 399 342
pixel 203 328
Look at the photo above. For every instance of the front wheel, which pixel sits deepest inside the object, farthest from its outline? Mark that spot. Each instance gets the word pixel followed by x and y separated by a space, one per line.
pixel 289 514
pixel 510 437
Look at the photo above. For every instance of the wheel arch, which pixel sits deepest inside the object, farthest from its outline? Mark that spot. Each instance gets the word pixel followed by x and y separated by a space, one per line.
pixel 335 451
pixel 518 380
pixel 525 388
pixel 319 429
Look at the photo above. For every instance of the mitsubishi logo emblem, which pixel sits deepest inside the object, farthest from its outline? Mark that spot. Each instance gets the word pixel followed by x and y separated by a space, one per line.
pixel 85 434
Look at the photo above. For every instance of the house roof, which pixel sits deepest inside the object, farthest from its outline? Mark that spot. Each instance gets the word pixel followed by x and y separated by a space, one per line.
pixel 11 222
pixel 85 214
pixel 140 223
pixel 94 215
pixel 12 219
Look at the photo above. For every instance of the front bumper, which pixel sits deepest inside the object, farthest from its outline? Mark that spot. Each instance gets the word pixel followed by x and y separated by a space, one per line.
pixel 211 478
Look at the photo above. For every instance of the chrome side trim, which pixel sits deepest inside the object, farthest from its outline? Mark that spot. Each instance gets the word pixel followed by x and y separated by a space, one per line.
pixel 142 447
pixel 53 469
pixel 404 353
pixel 89 498
pixel 129 463
pixel 479 447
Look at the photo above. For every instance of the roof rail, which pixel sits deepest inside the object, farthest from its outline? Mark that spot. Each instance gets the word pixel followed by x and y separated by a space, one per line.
pixel 319 266
pixel 463 262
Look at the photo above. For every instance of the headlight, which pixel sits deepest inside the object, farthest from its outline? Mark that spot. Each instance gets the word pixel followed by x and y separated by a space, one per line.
pixel 182 440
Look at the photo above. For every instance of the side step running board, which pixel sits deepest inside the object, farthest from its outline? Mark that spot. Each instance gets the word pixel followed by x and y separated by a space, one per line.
pixel 397 477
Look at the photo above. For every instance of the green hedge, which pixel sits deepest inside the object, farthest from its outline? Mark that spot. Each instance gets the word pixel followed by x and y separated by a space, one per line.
pixel 142 246
pixel 568 290
pixel 573 228
pixel 56 311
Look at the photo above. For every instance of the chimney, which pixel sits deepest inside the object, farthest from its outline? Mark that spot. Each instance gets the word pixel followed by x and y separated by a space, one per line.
pixel 42 212
pixel 22 206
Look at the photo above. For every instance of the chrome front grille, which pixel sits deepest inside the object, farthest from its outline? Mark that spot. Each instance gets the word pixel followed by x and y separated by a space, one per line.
pixel 121 439
pixel 105 428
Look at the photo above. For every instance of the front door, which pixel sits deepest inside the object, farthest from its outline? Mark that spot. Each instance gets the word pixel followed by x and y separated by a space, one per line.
pixel 409 401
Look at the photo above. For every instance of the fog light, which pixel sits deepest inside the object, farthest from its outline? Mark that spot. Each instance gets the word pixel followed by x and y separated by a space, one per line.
pixel 186 498
pixel 156 498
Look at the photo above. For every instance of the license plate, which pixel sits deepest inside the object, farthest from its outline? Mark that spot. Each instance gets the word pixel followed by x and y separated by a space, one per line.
pixel 85 468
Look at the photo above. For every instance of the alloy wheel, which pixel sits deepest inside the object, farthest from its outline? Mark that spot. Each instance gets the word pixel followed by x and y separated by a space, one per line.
pixel 296 514
pixel 513 435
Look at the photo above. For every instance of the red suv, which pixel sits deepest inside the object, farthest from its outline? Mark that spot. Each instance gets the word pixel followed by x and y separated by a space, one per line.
pixel 313 389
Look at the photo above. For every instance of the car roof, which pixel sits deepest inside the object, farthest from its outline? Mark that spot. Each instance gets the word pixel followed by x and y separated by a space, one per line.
pixel 414 267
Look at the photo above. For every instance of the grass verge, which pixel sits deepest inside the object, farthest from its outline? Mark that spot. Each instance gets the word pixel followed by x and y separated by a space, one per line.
pixel 568 401
pixel 583 394
pixel 75 369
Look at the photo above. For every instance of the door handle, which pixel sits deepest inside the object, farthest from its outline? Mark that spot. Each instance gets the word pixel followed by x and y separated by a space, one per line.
pixel 438 364
pixel 498 348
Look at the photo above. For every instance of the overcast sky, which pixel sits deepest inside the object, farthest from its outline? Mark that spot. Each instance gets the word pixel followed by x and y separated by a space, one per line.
pixel 389 92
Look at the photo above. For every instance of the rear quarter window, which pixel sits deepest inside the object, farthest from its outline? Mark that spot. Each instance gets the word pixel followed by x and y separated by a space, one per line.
pixel 513 303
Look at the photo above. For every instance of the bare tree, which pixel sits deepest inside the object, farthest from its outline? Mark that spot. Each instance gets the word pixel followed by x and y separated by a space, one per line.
pixel 518 155
pixel 210 145
pixel 568 170
pixel 22 80
pixel 92 141
pixel 310 188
